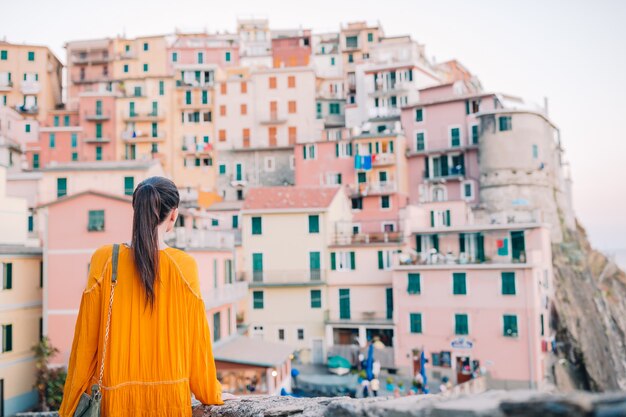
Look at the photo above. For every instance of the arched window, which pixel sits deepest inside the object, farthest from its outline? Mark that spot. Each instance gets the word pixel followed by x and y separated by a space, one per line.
pixel 439 194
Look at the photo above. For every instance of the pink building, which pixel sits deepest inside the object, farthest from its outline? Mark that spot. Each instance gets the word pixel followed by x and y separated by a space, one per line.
pixel 291 48
pixel 58 140
pixel 89 68
pixel 327 162
pixel 473 297
pixel 442 133
pixel 202 48
pixel 97 118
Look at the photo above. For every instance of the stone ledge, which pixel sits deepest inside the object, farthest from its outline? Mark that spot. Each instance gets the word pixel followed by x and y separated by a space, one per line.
pixel 488 404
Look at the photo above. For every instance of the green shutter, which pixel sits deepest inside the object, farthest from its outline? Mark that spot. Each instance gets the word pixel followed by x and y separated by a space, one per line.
pixel 316 299
pixel 416 322
pixel 447 217
pixel 459 286
pixel 414 286
pixel 161 88
pixel 508 283
pixel 432 218
pixel 257 297
pixel 314 266
pixel 461 242
pixel 352 261
pixel 381 264
pixel 333 263
pixel 344 304
pixel 314 224
pixel 257 226
pixel 418 243
pixel 257 267
pixel 510 325
pixel 8 276
pixel 61 187
pixel 389 299
pixel 337 150
pixel 461 324
pixel 129 185
pixel 467 107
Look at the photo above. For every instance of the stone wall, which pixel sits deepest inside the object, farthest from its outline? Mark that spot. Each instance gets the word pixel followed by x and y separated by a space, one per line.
pixel 488 404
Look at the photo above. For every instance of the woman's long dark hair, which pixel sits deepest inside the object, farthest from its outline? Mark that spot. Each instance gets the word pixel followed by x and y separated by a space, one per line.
pixel 153 200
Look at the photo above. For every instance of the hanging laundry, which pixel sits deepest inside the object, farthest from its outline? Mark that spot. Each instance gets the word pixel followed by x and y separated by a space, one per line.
pixel 503 247
pixel 367 162
pixel 358 161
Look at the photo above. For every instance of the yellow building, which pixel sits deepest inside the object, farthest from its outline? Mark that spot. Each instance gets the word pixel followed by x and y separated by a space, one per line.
pixel 285 236
pixel 30 79
pixel 20 305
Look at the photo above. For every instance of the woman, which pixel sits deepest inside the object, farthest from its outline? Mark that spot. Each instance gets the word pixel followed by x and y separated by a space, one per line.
pixel 159 346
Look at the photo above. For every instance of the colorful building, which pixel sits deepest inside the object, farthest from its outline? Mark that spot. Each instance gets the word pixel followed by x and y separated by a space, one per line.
pixel 291 48
pixel 20 304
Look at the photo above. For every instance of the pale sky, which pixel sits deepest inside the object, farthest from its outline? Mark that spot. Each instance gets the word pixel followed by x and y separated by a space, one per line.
pixel 572 51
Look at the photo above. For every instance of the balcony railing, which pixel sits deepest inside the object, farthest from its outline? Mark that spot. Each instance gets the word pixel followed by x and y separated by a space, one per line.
pixel 183 237
pixel 239 180
pixel 145 116
pixel 376 188
pixel 273 117
pixel 361 316
pixel 91 59
pixel 98 116
pixel 368 238
pixel 383 159
pixel 453 173
pixel 292 277
pixel 27 109
pixel 97 140
pixel 6 85
pixel 447 259
pixel 226 294
pixel 142 136
pixel 384 112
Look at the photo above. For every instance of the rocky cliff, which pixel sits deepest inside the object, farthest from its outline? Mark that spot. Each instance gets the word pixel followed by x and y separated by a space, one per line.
pixel 589 314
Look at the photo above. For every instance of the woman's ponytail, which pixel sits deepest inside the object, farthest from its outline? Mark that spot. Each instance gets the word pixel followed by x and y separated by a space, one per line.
pixel 153 200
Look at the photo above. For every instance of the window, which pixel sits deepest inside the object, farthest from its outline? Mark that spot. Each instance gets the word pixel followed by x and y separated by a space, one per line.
pixel 4 55
pixel 7 337
pixel 350 58
pixel 257 300
pixel 357 203
pixel 235 221
pixel 510 325
pixel 468 190
pixel 384 259
pixel 129 185
pixel 174 56
pixel 161 88
pixel 504 123
pixel 332 60
pixel 222 169
pixel 31 223
pixel 314 223
pixel 535 152
pixel 223 88
pixel 384 202
pixel 55 120
pixel 455 137
pixel 98 153
pixel 27 128
pixel 244 87
pixel 257 267
pixel 52 140
pixel 244 109
pixel 508 283
pixel 96 221
pixel 281 334
pixel 352 42
pixel 370 37
pixel 291 81
pixel 221 135
pixel 344 303
pixel 459 286
pixel 474 134
pixel 61 187
pixel 145 46
pixel 342 261
pixel 74 156
pixel 420 141
pixel 308 151
pixel 125 67
pixel 272 82
pixel 200 58
pixel 292 106
pixel 187 97
pixel 461 325
pixel 316 299
pixel 227 56
pixel 35 161
pixel 217 326
pixel 292 132
pixel 334 108
pixel 145 67
pixel 362 177
pixel 389 302
pixel 419 115
pixel 415 320
pixel 300 334
pixel 257 226
pixel 31 55
pixel 414 282
pixel 439 218
pixel 7 276
pixel 222 110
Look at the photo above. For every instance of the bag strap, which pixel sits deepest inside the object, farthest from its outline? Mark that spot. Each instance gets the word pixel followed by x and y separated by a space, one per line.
pixel 114 261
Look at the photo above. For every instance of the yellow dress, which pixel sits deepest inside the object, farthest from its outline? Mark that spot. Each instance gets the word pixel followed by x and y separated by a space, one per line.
pixel 157 356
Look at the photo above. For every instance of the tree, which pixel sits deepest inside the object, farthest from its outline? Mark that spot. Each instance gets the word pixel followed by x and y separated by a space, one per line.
pixel 50 380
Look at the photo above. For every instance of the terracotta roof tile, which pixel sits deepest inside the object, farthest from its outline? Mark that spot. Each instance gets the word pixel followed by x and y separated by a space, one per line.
pixel 264 198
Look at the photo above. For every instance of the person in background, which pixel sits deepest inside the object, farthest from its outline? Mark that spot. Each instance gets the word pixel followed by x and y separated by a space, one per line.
pixel 443 387
pixel 375 386
pixel 365 385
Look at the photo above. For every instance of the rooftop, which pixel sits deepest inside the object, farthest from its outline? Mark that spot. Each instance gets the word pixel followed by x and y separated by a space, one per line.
pixel 249 351
pixel 101 166
pixel 280 198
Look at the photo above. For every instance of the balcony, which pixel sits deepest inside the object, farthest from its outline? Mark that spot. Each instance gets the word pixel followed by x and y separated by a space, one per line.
pixel 239 180
pixel 376 188
pixel 30 87
pixel 185 238
pixel 191 148
pixel 97 117
pixel 97 140
pixel 90 80
pixel 384 113
pixel 334 120
pixel 393 87
pixel 227 294
pixel 150 116
pixel 6 85
pixel 372 238
pixel 454 173
pixel 284 278
pixel 384 159
pixel 91 59
pixel 136 136
pixel 273 118
pixel 27 109
pixel 358 317
pixel 128 55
